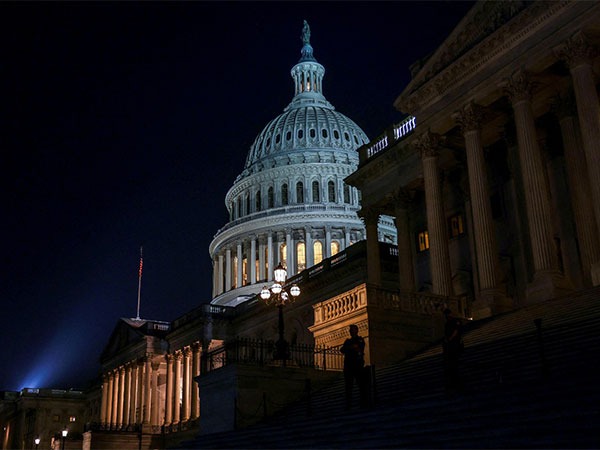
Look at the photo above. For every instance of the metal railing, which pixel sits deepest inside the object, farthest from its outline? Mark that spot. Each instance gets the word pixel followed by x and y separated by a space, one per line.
pixel 260 352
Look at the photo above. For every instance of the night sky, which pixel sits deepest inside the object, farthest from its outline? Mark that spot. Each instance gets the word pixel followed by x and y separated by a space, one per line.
pixel 124 124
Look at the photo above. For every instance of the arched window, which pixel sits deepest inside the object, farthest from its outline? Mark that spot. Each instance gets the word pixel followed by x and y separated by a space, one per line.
pixel 299 192
pixel 258 201
pixel 301 256
pixel 346 193
pixel 239 207
pixel 331 191
pixel 244 271
pixel 318 251
pixel 270 198
pixel 316 194
pixel 335 247
pixel 247 204
pixel 283 254
pixel 284 194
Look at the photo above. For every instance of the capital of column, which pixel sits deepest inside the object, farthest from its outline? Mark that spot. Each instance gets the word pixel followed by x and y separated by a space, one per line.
pixel 576 51
pixel 196 347
pixel 470 117
pixel 428 144
pixel 169 357
pixel 517 87
pixel 187 352
pixel 178 355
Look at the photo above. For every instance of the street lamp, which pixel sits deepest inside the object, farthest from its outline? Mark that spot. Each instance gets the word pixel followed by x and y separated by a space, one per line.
pixel 64 436
pixel 279 296
pixel 37 442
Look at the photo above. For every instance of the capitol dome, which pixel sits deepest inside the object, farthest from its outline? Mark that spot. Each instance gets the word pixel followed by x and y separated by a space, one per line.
pixel 290 204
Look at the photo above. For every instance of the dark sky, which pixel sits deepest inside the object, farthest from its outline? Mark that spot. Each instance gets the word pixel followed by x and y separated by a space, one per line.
pixel 126 123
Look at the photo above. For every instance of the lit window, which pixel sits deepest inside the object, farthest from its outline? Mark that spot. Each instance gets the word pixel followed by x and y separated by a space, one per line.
pixel 423 241
pixel 283 254
pixel 301 254
pixel 335 248
pixel 234 281
pixel 456 226
pixel 245 271
pixel 72 419
pixel 318 250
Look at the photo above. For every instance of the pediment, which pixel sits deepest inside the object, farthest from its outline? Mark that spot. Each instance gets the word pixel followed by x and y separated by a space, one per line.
pixel 126 333
pixel 483 19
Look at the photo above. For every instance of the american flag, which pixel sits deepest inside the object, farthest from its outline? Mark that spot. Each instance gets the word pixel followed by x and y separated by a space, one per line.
pixel 141 263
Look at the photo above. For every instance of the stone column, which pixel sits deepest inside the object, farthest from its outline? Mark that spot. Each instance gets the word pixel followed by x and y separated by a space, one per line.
pixel 220 280
pixel 252 260
pixel 185 408
pixel 261 259
pixel 133 394
pixel 147 390
pixel 104 405
pixel 270 259
pixel 309 251
pixel 547 282
pixel 140 392
pixel 115 400
pixel 371 218
pixel 439 258
pixel 154 408
pixel 406 273
pixel 169 390
pixel 126 396
pixel 579 188
pixel 177 391
pixel 579 55
pixel 346 238
pixel 196 347
pixel 120 397
pixel 227 270
pixel 327 249
pixel 239 268
pixel 490 298
pixel 289 247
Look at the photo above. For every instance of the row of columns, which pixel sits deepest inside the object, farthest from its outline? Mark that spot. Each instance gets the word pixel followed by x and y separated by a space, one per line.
pixel 265 251
pixel 582 155
pixel 131 394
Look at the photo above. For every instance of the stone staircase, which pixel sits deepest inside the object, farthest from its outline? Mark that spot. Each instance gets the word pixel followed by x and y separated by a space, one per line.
pixel 525 386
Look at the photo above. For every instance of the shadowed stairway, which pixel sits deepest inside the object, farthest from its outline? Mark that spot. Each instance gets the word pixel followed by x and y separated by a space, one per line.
pixel 530 381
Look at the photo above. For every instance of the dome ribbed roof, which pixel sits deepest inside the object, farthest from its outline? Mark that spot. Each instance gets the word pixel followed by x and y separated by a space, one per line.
pixel 306 128
pixel 309 123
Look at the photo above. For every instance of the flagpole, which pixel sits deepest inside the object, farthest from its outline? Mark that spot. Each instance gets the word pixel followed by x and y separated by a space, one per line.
pixel 140 283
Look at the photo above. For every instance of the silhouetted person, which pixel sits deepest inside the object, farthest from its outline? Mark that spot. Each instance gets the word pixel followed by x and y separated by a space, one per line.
pixel 453 347
pixel 354 361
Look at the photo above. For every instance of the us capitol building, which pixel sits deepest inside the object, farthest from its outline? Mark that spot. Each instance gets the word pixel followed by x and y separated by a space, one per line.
pixel 484 199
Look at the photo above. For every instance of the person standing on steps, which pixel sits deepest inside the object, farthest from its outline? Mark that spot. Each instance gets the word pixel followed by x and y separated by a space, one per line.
pixel 354 361
pixel 453 348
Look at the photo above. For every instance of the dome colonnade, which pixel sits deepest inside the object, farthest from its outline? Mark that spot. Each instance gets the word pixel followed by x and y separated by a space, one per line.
pixel 290 204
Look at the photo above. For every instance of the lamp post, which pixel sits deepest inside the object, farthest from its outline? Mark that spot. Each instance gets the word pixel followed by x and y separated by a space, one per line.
pixel 37 442
pixel 64 437
pixel 279 296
